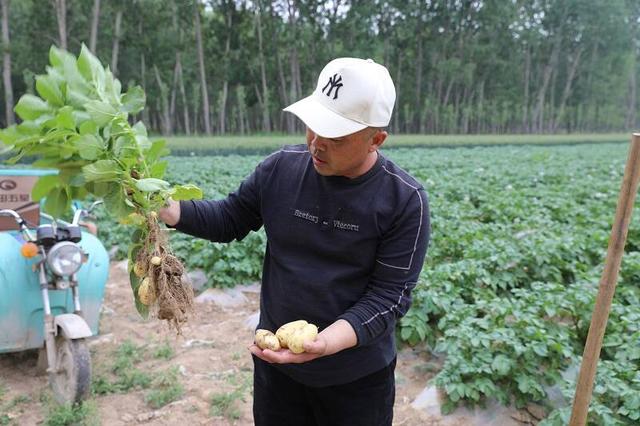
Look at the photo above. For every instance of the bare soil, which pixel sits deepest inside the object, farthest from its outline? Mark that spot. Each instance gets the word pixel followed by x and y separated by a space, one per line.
pixel 211 358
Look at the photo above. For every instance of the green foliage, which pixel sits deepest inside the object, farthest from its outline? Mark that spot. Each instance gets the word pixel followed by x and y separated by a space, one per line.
pixel 508 348
pixel 518 240
pixel 8 406
pixel 511 274
pixel 460 67
pixel 225 404
pixel 84 414
pixel 615 399
pixel 80 126
pixel 123 374
pixel 164 351
pixel 225 264
pixel 127 355
pixel 125 381
pixel 165 389
pixel 266 144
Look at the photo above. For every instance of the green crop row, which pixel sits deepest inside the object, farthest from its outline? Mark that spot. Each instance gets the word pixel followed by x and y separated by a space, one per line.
pixel 519 241
pixel 264 144
pixel 519 237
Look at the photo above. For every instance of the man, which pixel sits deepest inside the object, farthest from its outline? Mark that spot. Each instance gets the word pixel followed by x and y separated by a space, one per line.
pixel 347 232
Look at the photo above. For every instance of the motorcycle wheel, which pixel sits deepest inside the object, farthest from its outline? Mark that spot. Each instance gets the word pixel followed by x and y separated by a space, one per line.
pixel 72 380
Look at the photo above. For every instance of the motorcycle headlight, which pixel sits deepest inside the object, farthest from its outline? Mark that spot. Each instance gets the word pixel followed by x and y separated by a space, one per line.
pixel 64 258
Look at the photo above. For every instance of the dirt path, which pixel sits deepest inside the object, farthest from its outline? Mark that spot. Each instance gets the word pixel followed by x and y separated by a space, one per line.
pixel 210 362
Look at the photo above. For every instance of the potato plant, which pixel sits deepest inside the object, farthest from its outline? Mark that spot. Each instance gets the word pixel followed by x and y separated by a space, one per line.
pixel 80 123
pixel 519 237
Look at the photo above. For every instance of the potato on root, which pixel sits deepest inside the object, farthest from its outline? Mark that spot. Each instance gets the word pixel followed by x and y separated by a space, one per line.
pixel 300 336
pixel 146 292
pixel 293 335
pixel 265 339
pixel 285 331
pixel 140 269
pixel 156 260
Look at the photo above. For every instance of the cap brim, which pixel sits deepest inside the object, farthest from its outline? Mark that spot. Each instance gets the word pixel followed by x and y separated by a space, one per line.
pixel 322 120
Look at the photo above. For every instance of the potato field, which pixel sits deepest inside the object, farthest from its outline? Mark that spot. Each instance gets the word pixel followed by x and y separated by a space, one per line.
pixel 519 236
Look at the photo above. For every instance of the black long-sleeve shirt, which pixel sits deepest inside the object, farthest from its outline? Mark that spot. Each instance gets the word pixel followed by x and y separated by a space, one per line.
pixel 336 248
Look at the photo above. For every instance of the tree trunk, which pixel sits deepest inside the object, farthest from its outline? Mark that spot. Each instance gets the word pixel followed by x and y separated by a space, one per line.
pixel 447 92
pixel 527 77
pixel 294 67
pixel 538 112
pixel 93 39
pixel 174 90
pixel 165 117
pixel 396 119
pixel 241 108
pixel 222 114
pixel 61 14
pixel 178 78
pixel 195 98
pixel 116 43
pixel 183 96
pixel 223 107
pixel 630 122
pixel 143 72
pixel 567 88
pixel 6 65
pixel 548 126
pixel 333 18
pixel 174 86
pixel 294 63
pixel 466 102
pixel 481 117
pixel 418 101
pixel 203 78
pixel 266 120
pixel 288 117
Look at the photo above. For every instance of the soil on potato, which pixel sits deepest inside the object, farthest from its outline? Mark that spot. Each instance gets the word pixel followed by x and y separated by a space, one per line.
pixel 210 360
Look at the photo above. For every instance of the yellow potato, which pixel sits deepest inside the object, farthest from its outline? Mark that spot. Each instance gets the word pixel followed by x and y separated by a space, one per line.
pixel 267 340
pixel 146 292
pixel 300 336
pixel 139 269
pixel 285 331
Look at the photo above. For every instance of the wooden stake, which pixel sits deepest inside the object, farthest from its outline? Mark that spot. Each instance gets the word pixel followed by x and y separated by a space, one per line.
pixel 607 285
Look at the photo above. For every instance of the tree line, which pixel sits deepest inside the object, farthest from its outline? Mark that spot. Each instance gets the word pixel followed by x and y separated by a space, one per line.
pixel 460 66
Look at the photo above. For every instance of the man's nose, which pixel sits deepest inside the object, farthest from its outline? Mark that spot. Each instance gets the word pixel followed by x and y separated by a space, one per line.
pixel 318 143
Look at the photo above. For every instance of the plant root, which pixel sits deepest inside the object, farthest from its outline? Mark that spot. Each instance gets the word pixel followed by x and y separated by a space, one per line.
pixel 173 296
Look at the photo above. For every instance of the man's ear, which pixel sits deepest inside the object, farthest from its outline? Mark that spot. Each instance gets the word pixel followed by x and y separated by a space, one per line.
pixel 377 140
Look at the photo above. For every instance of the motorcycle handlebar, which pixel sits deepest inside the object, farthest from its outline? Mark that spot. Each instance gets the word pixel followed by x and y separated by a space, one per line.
pixel 19 220
pixel 13 214
pixel 78 214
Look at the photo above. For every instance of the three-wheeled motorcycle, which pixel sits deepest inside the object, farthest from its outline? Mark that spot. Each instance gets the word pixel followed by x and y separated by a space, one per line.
pixel 52 280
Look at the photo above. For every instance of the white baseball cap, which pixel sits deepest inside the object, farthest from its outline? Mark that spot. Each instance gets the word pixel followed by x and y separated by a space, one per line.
pixel 351 94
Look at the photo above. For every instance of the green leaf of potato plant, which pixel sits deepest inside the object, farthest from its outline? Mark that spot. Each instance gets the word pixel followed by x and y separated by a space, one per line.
pixel 152 184
pixel 81 124
pixel 30 107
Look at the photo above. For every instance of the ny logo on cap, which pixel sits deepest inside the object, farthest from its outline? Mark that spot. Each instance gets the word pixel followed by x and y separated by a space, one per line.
pixel 334 82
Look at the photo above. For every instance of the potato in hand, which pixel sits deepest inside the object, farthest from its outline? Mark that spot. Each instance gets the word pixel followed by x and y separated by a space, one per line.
pixel 286 330
pixel 267 340
pixel 293 335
